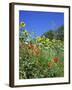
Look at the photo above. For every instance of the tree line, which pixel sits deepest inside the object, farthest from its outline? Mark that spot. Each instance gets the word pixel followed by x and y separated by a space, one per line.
pixel 57 34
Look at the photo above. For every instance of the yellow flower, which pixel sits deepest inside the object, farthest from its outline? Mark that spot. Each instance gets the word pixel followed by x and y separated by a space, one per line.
pixel 47 39
pixel 22 24
pixel 43 38
pixel 39 39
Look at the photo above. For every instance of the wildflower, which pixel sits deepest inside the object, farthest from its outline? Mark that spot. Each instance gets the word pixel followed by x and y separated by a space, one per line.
pixel 30 46
pixel 34 48
pixel 22 24
pixel 56 59
pixel 39 39
pixel 47 40
pixel 50 64
pixel 43 38
pixel 26 42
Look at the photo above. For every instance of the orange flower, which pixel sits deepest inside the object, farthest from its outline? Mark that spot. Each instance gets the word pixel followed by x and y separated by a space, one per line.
pixel 56 59
pixel 34 48
pixel 49 64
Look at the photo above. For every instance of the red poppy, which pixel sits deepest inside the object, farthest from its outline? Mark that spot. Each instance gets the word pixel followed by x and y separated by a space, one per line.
pixel 56 59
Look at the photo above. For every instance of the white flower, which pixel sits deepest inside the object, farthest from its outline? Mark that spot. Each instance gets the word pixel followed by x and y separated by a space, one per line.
pixel 26 42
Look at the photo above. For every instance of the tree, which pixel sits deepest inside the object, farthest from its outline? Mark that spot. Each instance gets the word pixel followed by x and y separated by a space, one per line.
pixel 60 33
pixel 49 34
pixel 57 34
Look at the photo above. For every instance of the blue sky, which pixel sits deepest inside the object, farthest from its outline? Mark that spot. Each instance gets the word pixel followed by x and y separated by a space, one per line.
pixel 40 22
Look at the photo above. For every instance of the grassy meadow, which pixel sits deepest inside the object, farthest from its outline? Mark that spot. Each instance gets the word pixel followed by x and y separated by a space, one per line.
pixel 41 56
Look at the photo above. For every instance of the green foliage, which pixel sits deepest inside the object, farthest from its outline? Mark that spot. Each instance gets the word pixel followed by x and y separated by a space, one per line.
pixel 23 35
pixel 55 34
pixel 60 33
pixel 49 34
